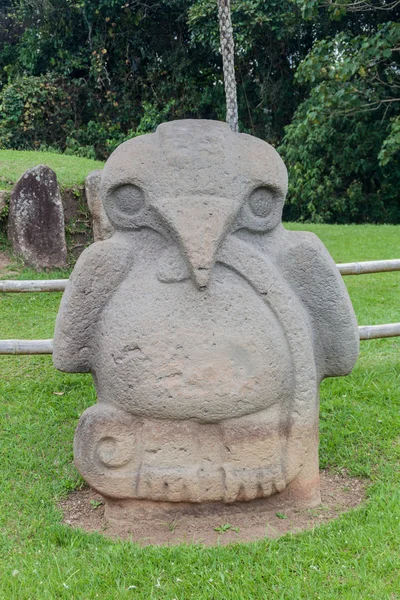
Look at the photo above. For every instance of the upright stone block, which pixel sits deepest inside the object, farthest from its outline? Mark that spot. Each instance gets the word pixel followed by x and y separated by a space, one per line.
pixel 36 219
pixel 207 326
pixel 102 228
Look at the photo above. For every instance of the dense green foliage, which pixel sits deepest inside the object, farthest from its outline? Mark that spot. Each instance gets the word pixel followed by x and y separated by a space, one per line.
pixel 104 71
pixel 343 143
pixel 355 557
pixel 319 78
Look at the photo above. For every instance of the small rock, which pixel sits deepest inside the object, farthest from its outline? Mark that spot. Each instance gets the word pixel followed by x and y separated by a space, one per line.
pixel 102 228
pixel 36 219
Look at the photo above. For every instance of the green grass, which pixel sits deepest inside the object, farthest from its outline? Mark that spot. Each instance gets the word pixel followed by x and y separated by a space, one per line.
pixel 356 557
pixel 71 170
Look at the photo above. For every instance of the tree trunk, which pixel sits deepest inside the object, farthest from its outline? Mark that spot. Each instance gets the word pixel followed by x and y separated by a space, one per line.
pixel 228 60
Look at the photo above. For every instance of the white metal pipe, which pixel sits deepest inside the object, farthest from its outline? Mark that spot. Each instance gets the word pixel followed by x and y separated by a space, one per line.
pixel 58 285
pixel 26 346
pixel 33 285
pixel 367 332
pixel 373 266
pixel 372 332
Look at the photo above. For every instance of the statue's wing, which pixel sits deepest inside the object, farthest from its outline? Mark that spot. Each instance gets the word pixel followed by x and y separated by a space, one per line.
pixel 313 275
pixel 97 273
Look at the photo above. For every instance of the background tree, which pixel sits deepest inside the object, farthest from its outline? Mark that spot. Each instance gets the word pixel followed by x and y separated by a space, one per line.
pixel 317 78
pixel 127 66
pixel 343 144
pixel 228 62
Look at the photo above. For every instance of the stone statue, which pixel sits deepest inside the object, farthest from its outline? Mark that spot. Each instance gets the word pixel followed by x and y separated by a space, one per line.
pixel 206 325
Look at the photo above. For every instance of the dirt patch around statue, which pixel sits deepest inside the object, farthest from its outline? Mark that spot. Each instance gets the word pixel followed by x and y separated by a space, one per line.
pixel 242 522
pixel 6 269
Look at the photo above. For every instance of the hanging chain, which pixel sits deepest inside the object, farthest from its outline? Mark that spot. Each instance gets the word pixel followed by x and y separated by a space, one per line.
pixel 228 61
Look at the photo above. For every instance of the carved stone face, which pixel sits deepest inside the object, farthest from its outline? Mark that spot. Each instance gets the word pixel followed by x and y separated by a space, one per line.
pixel 183 331
pixel 195 182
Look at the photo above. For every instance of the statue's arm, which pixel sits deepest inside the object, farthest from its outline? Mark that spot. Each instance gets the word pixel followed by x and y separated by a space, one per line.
pixel 97 273
pixel 314 277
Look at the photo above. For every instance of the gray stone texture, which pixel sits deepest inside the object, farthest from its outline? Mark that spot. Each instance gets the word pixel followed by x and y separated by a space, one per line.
pixel 206 325
pixel 102 228
pixel 36 219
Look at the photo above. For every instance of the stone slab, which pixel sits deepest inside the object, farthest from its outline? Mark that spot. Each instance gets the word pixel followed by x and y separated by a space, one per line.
pixel 36 219
pixel 102 228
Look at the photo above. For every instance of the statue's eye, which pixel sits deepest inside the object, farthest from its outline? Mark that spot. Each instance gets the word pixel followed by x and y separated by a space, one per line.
pixel 124 205
pixel 261 201
pixel 128 199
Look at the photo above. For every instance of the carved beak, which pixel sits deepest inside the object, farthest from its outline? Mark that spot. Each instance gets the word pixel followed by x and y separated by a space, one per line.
pixel 199 225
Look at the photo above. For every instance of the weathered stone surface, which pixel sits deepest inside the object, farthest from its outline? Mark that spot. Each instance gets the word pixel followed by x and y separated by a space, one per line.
pixel 77 220
pixel 36 219
pixel 102 228
pixel 207 327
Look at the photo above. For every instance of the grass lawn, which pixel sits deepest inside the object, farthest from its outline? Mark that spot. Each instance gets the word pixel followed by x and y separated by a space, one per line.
pixel 356 557
pixel 71 170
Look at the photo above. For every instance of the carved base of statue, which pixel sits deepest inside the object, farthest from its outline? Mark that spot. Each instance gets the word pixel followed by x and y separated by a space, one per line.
pixel 147 468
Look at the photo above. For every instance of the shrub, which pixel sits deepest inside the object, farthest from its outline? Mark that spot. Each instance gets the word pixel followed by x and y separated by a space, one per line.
pixel 34 112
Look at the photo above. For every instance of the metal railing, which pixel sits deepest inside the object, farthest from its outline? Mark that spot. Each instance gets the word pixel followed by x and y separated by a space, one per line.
pixel 33 285
pixel 372 266
pixel 373 332
pixel 26 346
pixel 367 332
